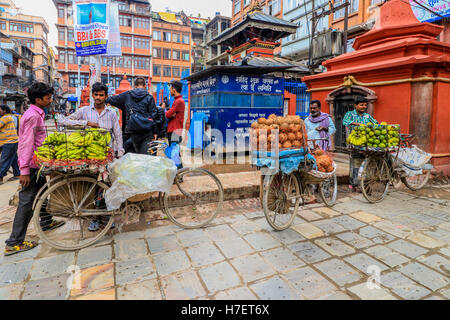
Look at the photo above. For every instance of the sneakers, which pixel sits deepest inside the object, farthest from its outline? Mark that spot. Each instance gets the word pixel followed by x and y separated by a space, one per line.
pixel 25 246
pixel 95 225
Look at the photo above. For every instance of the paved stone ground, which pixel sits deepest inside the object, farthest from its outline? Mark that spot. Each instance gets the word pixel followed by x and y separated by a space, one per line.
pixel 327 254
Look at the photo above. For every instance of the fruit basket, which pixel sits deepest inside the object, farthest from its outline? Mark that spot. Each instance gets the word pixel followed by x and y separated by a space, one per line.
pixel 374 137
pixel 74 150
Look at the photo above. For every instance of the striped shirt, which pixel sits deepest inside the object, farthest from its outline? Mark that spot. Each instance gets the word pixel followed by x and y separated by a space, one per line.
pixel 107 120
pixel 354 116
pixel 8 130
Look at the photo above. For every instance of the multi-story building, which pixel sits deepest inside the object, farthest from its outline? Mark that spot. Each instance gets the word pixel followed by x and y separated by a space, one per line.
pixel 30 31
pixel 361 18
pixel 199 48
pixel 136 40
pixel 297 45
pixel 241 7
pixel 171 46
pixel 216 54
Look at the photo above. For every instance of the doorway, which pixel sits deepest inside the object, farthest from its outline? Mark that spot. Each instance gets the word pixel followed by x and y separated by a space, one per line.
pixel 342 105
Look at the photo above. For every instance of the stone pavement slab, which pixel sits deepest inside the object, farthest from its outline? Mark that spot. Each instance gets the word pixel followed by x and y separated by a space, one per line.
pixel 52 266
pixel 204 254
pixel 132 235
pixel 134 270
pixel 11 292
pixel 308 230
pixel 219 277
pixel 339 272
pixel 437 262
pixel 92 279
pixel 424 276
pixel 396 229
pixel 365 217
pixel 192 237
pixel 261 241
pixel 365 263
pixel 221 232
pixel 242 293
pixel 355 240
pixel 328 226
pixel 309 283
pixel 326 212
pixel 275 288
pixel 164 243
pixel 282 259
pixel 232 248
pixel 109 294
pixel 182 286
pixel 348 222
pixel 90 257
pixel 426 241
pixel 287 236
pixel 407 248
pixel 130 249
pixel 252 267
pixel 387 255
pixel 244 227
pixel 335 247
pixel 161 231
pixel 54 288
pixel 145 290
pixel 171 261
pixel 308 252
pixel 403 286
pixel 376 235
pixel 309 215
pixel 11 273
pixel 338 295
pixel 364 293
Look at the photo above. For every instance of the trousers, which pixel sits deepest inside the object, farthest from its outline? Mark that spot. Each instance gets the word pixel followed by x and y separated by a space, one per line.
pixel 9 159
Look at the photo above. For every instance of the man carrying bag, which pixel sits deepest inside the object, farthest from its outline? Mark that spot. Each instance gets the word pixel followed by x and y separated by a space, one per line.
pixel 141 115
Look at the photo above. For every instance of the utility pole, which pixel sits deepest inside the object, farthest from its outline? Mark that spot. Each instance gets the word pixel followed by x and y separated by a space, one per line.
pixel 346 26
pixel 313 30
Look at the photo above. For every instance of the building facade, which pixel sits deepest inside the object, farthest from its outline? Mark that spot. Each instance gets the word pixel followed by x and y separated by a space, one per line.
pixel 199 48
pixel 172 38
pixel 216 54
pixel 136 40
pixel 297 45
pixel 241 7
pixel 29 31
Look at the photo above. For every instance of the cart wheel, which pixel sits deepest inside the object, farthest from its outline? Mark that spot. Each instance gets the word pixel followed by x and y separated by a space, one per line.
pixel 281 200
pixel 419 181
pixel 328 190
pixel 75 201
pixel 375 179
pixel 200 196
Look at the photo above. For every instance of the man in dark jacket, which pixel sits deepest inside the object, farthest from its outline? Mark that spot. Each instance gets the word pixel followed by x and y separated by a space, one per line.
pixel 160 131
pixel 140 101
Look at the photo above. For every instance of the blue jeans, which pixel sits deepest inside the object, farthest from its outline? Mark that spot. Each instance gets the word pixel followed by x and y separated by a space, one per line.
pixel 8 159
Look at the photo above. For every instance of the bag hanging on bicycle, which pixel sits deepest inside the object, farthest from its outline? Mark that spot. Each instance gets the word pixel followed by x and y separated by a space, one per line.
pixel 138 123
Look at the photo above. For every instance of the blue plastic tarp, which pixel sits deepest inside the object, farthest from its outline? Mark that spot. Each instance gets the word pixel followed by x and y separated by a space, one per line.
pixel 197 130
pixel 289 159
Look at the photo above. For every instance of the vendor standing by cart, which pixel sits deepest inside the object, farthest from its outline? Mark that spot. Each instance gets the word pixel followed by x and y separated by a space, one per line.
pixel 357 117
pixel 98 116
pixel 319 125
pixel 32 134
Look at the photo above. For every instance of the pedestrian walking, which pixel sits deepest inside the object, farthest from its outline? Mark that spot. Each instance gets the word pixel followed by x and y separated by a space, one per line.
pixel 141 116
pixel 176 116
pixel 357 117
pixel 9 141
pixel 319 125
pixel 32 134
pixel 160 131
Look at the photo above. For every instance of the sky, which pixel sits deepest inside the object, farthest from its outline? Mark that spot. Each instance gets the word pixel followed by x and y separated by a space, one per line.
pixel 207 8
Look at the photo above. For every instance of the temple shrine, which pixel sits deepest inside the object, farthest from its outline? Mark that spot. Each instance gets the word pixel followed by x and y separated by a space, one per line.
pixel 403 71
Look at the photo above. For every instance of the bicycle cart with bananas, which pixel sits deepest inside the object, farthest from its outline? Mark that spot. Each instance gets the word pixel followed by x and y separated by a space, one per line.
pixel 76 162
pixel 389 158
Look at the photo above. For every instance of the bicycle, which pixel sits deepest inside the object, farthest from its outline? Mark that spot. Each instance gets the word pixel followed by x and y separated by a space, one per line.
pixel 380 169
pixel 76 197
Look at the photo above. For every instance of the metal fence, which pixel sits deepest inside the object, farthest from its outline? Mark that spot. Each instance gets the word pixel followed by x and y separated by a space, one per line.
pixel 303 97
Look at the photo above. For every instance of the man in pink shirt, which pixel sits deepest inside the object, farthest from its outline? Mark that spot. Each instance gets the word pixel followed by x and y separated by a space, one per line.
pixel 32 133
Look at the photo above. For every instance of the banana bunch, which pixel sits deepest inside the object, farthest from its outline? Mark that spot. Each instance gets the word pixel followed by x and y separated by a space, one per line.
pixel 55 138
pixel 357 138
pixel 45 152
pixel 95 151
pixel 81 139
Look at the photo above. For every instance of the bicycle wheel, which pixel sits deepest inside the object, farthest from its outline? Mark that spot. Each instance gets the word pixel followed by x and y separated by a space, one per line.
pixel 419 181
pixel 328 190
pixel 281 200
pixel 75 201
pixel 375 179
pixel 194 200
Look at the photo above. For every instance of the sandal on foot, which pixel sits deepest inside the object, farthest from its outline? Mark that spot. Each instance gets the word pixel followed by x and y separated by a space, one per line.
pixel 25 246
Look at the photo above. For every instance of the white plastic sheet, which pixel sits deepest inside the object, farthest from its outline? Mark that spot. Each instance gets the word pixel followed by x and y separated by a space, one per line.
pixel 135 174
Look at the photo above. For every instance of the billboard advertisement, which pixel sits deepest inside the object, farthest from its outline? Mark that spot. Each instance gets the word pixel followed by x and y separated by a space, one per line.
pixel 440 7
pixel 91 26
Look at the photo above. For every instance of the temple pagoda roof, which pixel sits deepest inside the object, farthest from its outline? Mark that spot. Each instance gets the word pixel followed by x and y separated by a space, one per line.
pixel 270 28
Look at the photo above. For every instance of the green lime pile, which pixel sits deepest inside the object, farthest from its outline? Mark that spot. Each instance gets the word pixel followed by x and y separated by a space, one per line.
pixel 375 135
